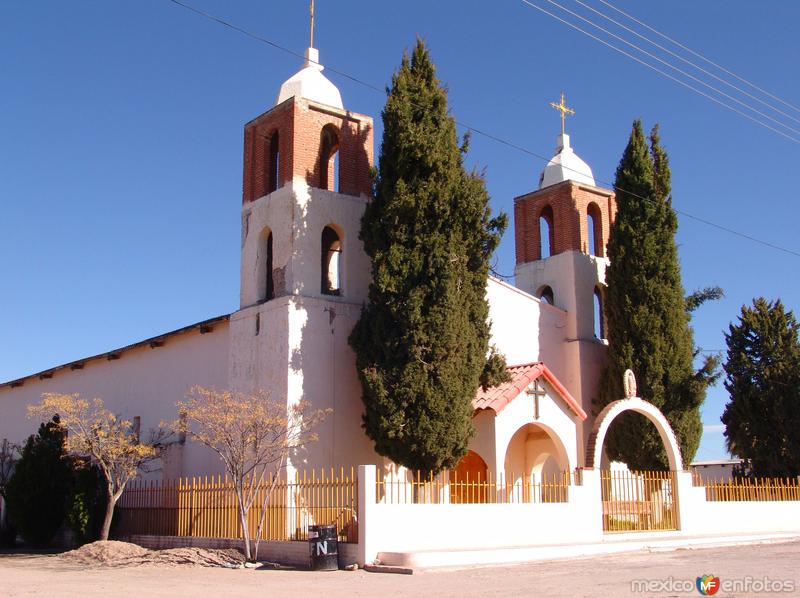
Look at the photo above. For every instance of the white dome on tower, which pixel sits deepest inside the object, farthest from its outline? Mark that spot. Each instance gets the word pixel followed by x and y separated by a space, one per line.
pixel 565 166
pixel 309 83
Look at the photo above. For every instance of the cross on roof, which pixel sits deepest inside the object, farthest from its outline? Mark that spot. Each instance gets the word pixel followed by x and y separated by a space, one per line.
pixel 562 108
pixel 311 10
pixel 536 392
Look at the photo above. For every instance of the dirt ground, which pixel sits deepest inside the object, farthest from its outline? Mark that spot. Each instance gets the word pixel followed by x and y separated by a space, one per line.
pixel 663 574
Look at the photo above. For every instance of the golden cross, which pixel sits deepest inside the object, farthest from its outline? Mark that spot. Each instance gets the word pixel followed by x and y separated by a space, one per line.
pixel 562 108
pixel 311 43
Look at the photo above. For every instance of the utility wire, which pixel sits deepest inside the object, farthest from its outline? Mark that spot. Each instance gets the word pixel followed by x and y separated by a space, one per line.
pixel 269 42
pixel 700 56
pixel 675 68
pixel 689 62
pixel 485 134
pixel 660 71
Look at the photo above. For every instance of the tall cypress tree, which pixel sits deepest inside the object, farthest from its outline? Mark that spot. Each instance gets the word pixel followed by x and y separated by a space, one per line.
pixel 648 321
pixel 422 340
pixel 762 418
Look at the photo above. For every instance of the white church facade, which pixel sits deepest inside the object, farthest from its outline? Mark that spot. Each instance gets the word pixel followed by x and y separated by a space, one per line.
pixel 304 280
pixel 305 277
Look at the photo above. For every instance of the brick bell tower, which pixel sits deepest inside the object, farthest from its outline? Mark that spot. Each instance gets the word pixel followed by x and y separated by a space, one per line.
pixel 304 273
pixel 306 167
pixel 561 232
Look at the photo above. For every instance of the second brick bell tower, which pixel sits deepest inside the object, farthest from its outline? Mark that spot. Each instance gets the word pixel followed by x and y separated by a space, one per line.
pixel 561 232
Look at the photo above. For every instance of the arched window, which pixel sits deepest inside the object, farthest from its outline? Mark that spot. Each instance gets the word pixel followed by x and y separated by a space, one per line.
pixel 274 163
pixel 328 149
pixel 594 229
pixel 599 325
pixel 546 237
pixel 336 172
pixel 270 282
pixel 546 295
pixel 331 262
pixel 266 284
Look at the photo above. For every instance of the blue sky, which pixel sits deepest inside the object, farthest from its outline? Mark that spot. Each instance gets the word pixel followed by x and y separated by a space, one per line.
pixel 121 144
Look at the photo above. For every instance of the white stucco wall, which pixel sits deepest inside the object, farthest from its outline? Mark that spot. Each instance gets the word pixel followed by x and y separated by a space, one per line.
pixel 555 418
pixel 699 516
pixel 276 213
pixel 322 371
pixel 468 526
pixel 526 329
pixel 144 382
pixel 296 214
pixel 391 528
pixel 403 532
pixel 301 351
pixel 259 360
pixel 573 276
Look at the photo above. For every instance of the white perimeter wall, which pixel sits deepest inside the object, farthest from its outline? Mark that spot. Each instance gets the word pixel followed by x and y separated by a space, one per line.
pixel 698 516
pixel 400 528
pixel 385 528
pixel 409 528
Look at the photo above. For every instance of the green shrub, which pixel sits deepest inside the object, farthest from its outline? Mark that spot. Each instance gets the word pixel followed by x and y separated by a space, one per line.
pixel 87 502
pixel 37 493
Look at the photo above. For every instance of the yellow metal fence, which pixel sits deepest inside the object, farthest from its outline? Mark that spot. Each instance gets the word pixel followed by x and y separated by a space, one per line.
pixel 638 500
pixel 750 489
pixel 207 507
pixel 450 488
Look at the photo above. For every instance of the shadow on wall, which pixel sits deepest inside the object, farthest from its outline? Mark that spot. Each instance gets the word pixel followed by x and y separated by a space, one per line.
pixel 321 359
pixel 349 145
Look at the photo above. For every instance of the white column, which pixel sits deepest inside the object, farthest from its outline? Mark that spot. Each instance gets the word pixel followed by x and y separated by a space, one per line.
pixel 589 501
pixel 366 509
pixel 691 501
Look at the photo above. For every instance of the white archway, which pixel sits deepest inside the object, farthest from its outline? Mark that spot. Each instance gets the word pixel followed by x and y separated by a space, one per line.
pixel 531 447
pixel 612 410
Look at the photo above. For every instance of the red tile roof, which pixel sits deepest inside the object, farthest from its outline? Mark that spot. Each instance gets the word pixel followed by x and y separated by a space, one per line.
pixel 497 397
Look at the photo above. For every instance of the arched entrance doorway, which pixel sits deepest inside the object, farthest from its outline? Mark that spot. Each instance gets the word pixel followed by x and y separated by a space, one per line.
pixel 636 501
pixel 468 480
pixel 536 466
pixel 594 449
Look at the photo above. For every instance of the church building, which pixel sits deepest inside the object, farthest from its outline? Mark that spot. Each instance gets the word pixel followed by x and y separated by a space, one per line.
pixel 305 277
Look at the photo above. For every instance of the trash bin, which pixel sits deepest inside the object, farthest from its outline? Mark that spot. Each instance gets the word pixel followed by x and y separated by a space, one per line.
pixel 324 547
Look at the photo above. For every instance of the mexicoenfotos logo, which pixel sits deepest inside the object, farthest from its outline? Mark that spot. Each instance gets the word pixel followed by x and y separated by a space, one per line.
pixel 708 585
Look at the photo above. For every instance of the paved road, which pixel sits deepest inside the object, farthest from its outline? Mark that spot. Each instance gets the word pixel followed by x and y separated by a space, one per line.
pixel 654 574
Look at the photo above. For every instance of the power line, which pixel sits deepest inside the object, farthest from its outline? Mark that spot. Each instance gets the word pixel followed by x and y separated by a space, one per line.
pixel 675 68
pixel 480 132
pixel 660 71
pixel 269 42
pixel 689 62
pixel 631 193
pixel 700 56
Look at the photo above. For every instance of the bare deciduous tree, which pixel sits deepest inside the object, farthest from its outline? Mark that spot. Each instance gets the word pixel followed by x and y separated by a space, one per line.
pixel 112 443
pixel 253 436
